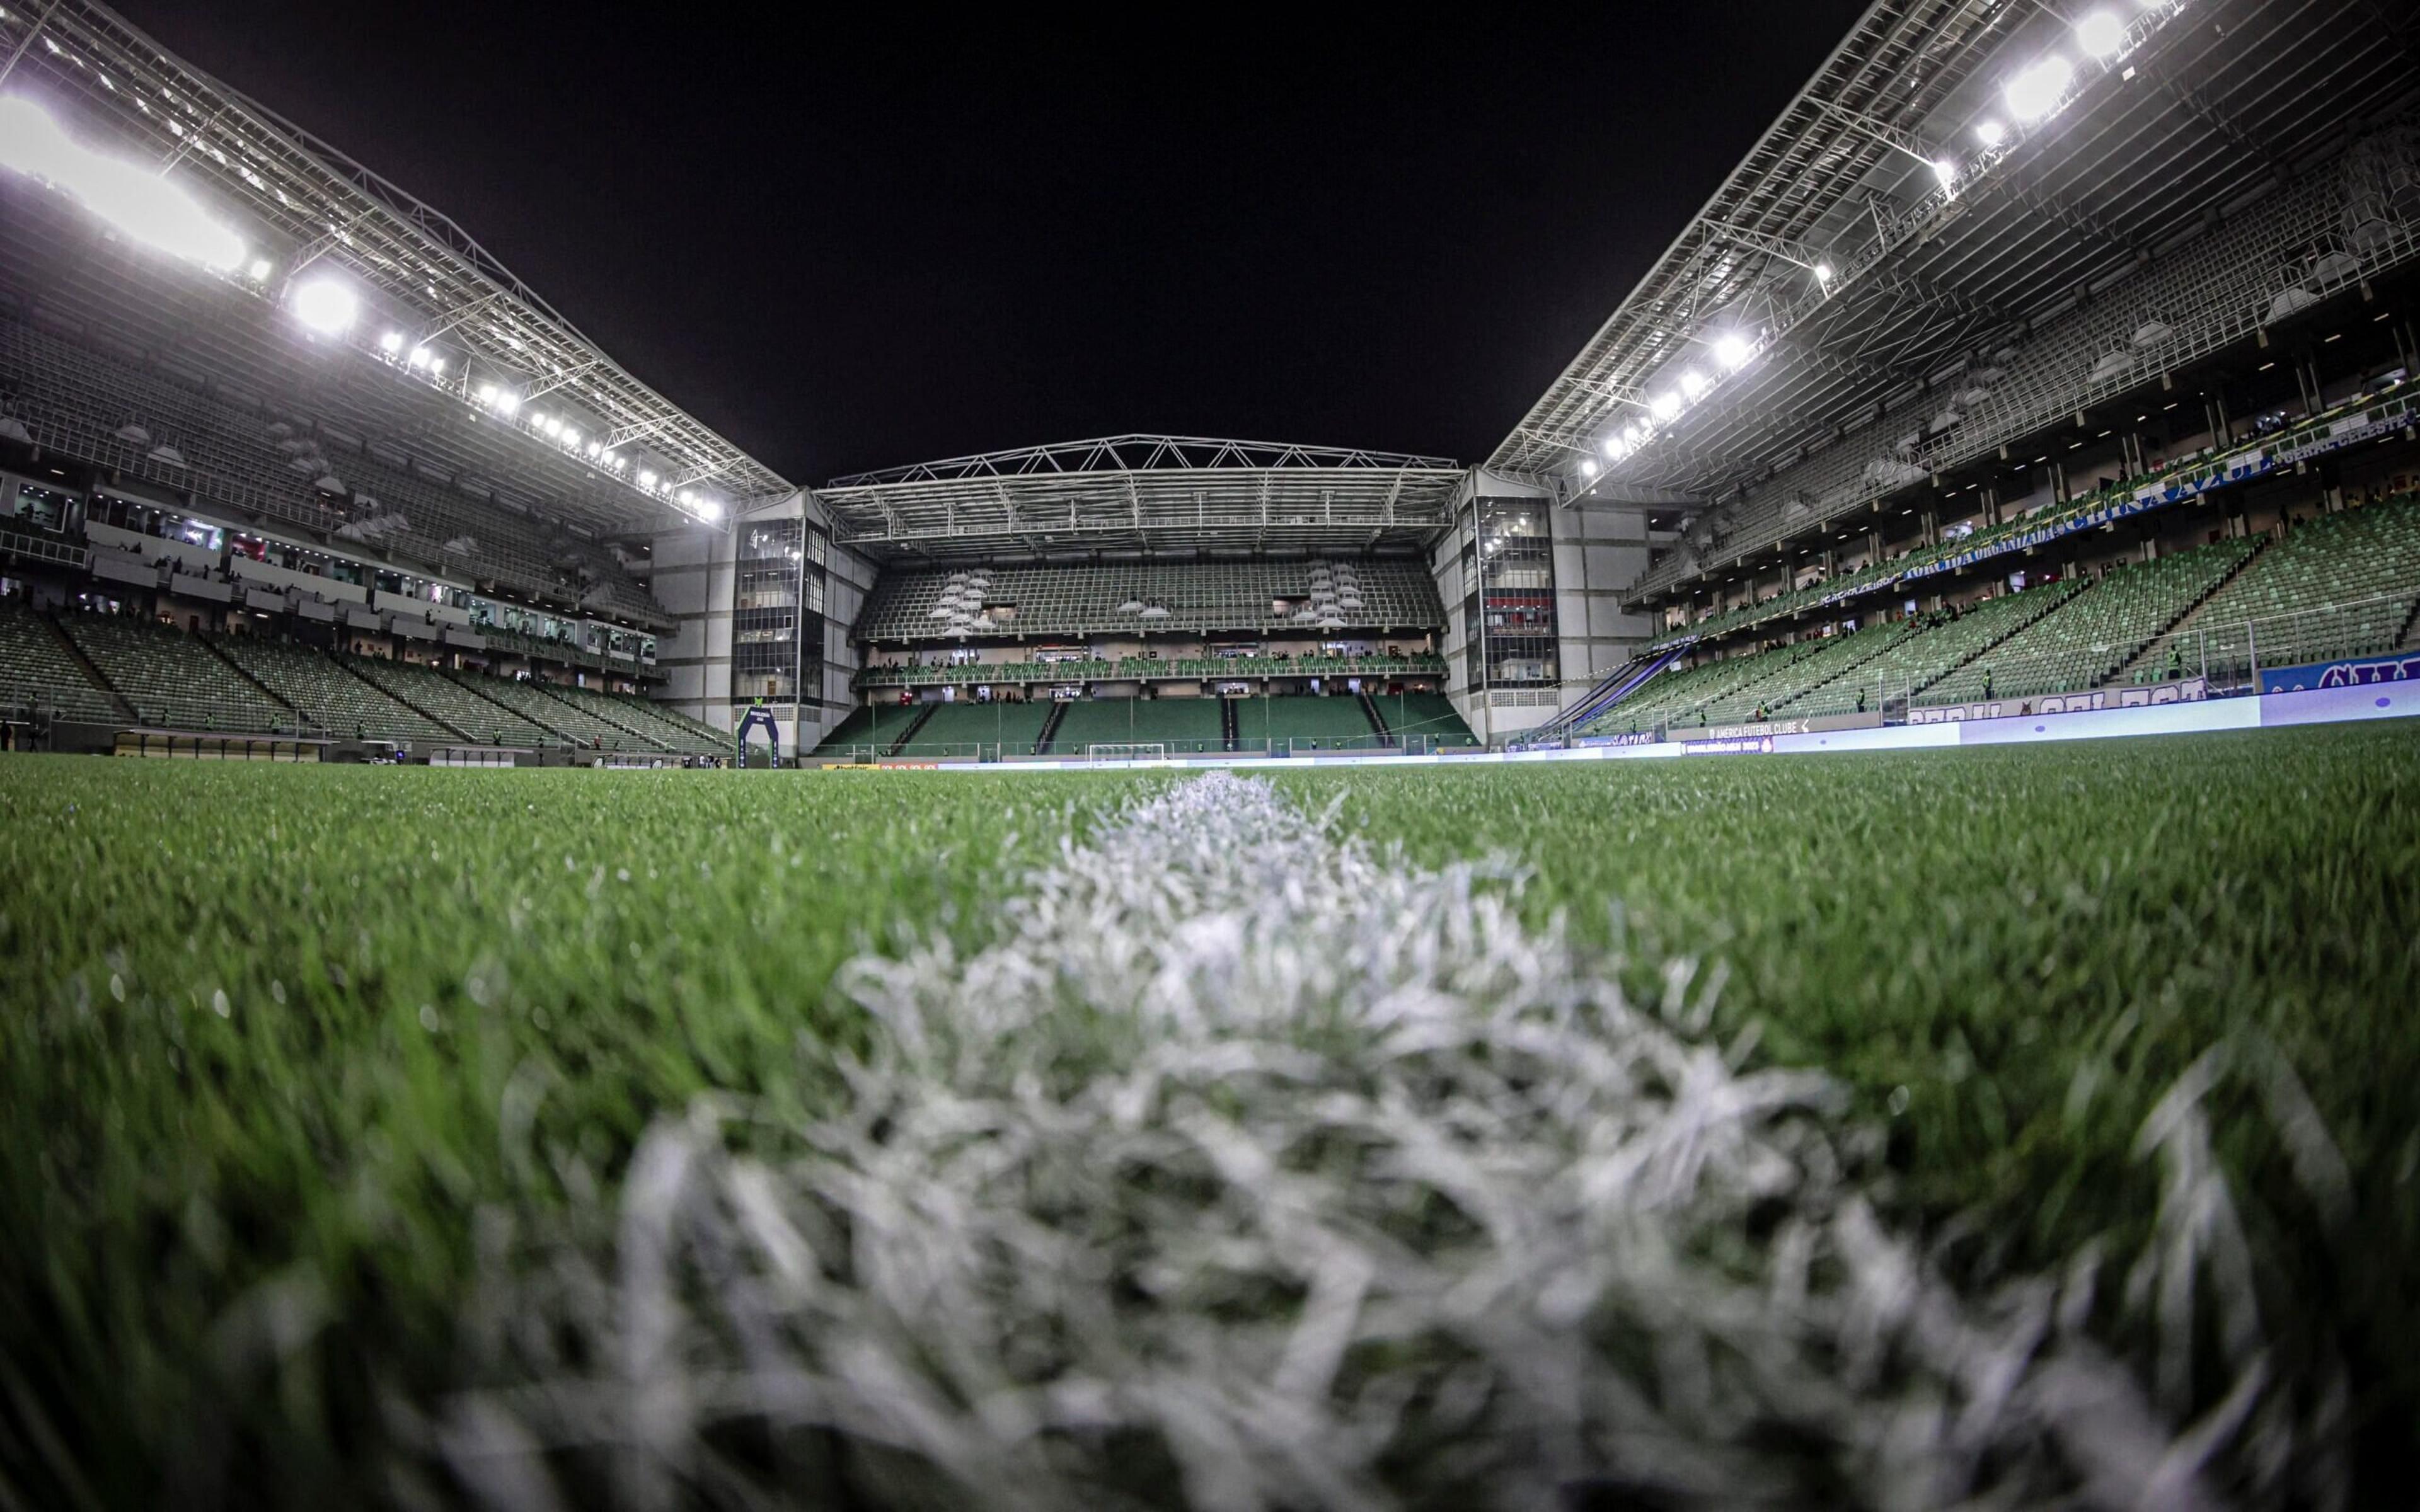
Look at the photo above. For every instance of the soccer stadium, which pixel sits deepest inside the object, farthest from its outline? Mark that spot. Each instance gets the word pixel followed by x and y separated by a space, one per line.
pixel 1836 922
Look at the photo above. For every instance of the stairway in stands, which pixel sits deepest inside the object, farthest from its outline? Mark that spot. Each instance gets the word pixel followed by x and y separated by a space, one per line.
pixel 1618 684
pixel 1377 720
pixel 92 668
pixel 602 713
pixel 2125 670
pixel 246 674
pixel 1050 729
pixel 1227 734
pixel 923 716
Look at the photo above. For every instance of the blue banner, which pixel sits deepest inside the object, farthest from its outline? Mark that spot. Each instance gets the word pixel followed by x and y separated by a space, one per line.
pixel 2355 673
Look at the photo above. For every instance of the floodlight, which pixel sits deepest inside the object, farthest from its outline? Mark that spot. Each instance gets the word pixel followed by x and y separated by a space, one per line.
pixel 1664 406
pixel 570 437
pixel 133 197
pixel 2101 34
pixel 1823 273
pixel 1991 134
pixel 1588 466
pixel 2036 91
pixel 551 426
pixel 260 269
pixel 1944 170
pixel 709 509
pixel 486 393
pixel 646 479
pixel 419 357
pixel 391 343
pixel 326 306
pixel 1613 447
pixel 508 401
pixel 1733 350
pixel 1693 383
pixel 437 367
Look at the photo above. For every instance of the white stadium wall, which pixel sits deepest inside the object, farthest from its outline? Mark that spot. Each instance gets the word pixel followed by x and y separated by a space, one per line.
pixel 1600 549
pixel 849 578
pixel 693 573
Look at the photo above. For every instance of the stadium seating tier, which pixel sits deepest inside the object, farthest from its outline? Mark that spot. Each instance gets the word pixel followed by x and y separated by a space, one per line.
pixel 1324 595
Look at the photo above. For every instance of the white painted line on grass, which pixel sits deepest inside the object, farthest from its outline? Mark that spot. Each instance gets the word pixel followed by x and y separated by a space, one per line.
pixel 1250 1156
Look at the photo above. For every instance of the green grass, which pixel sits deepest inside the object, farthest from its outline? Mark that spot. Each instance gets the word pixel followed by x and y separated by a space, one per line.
pixel 234 1243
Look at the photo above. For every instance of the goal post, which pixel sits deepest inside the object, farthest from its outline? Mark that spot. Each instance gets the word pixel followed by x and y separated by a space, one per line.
pixel 1126 752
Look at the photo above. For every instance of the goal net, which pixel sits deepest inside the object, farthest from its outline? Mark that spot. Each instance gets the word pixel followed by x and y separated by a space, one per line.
pixel 1126 753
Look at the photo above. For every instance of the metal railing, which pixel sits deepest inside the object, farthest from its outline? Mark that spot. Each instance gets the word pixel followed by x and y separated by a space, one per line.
pixel 2234 300
pixel 33 546
pixel 71 702
pixel 2230 655
pixel 1014 751
pixel 1144 669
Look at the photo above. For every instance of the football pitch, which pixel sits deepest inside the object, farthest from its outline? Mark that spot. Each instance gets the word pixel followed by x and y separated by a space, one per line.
pixel 2017 1123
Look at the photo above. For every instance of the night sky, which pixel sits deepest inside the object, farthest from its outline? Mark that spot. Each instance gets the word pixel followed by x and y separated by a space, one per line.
pixel 852 240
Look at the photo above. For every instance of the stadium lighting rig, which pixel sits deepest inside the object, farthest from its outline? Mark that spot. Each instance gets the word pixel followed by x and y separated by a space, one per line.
pixel 136 200
pixel 151 206
pixel 2034 96
pixel 326 306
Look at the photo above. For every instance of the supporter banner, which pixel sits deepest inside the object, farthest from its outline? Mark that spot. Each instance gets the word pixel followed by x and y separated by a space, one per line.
pixel 1761 744
pixel 2296 445
pixel 1643 737
pixel 1794 727
pixel 2358 672
pixel 2183 691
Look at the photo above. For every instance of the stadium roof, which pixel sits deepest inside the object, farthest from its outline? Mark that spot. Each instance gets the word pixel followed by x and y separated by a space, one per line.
pixel 1164 495
pixel 1953 170
pixel 308 214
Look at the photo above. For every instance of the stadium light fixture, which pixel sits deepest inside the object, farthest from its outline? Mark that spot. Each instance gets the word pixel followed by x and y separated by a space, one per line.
pixel 260 269
pixel 391 343
pixel 1945 171
pixel 1588 466
pixel 1824 272
pixel 1733 350
pixel 419 357
pixel 326 306
pixel 2038 90
pixel 646 479
pixel 487 393
pixel 133 197
pixel 1664 406
pixel 2101 34
pixel 1693 383
pixel 437 367
pixel 1991 134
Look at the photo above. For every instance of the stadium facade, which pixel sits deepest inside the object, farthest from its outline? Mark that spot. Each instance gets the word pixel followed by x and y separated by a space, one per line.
pixel 1996 285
